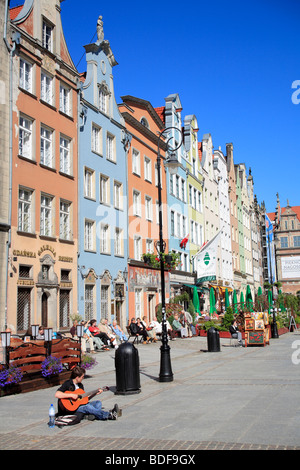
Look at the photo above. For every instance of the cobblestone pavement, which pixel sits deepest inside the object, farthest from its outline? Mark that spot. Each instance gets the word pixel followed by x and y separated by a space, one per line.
pixel 235 399
pixel 16 441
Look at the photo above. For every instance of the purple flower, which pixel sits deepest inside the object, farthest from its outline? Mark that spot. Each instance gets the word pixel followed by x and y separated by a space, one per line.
pixel 51 366
pixel 12 375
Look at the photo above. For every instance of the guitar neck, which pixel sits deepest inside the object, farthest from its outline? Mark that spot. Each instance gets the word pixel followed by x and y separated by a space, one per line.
pixel 93 392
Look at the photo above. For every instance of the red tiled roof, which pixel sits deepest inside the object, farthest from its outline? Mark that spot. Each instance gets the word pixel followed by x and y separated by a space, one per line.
pixel 13 12
pixel 200 150
pixel 161 113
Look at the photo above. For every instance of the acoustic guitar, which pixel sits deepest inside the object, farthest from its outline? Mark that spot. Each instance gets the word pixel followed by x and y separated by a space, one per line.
pixel 69 404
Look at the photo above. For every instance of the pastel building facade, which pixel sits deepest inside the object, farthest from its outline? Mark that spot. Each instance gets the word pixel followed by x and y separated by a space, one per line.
pixel 42 278
pixel 103 247
pixel 6 58
pixel 144 282
pixel 225 265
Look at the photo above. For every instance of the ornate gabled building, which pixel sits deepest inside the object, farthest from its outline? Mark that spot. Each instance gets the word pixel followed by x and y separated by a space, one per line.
pixel 6 60
pixel 144 125
pixel 102 204
pixel 225 265
pixel 42 286
pixel 286 225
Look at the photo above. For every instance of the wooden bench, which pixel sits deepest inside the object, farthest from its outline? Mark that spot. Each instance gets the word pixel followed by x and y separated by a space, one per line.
pixel 137 338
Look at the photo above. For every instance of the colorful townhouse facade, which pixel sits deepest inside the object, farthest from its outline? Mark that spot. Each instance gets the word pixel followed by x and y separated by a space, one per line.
pixel 246 218
pixel 42 282
pixel 144 281
pixel 226 269
pixel 102 204
pixel 286 227
pixel 195 185
pixel 182 277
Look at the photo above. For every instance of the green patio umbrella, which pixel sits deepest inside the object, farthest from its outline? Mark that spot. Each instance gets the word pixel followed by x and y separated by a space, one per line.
pixel 259 293
pixel 242 301
pixel 270 301
pixel 281 305
pixel 226 299
pixel 212 301
pixel 249 300
pixel 196 302
pixel 234 302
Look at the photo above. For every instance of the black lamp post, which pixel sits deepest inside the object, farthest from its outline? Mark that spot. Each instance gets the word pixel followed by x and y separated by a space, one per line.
pixel 35 330
pixel 274 329
pixel 5 340
pixel 79 332
pixel 165 374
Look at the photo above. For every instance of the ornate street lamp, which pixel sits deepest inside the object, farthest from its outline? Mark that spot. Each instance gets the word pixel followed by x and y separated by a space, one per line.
pixel 5 340
pixel 79 333
pixel 35 330
pixel 165 374
pixel 274 329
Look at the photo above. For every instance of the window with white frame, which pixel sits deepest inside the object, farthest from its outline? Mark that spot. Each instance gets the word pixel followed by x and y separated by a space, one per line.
pixel 25 75
pixel 89 235
pixel 104 239
pixel 110 147
pixel 46 88
pixel 104 99
pixel 196 233
pixel 96 139
pixel 119 242
pixel 136 162
pixel 104 301
pixel 104 189
pixel 149 246
pixel 147 169
pixel 65 155
pixel 65 220
pixel 46 215
pixel 89 301
pixel 25 208
pixel 47 36
pixel 25 137
pixel 137 247
pixel 172 224
pixel 148 207
pixel 137 210
pixel 47 146
pixel 118 195
pixel 138 303
pixel 89 183
pixel 65 99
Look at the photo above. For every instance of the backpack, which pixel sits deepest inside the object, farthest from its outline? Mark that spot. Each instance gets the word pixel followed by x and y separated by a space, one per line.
pixel 67 420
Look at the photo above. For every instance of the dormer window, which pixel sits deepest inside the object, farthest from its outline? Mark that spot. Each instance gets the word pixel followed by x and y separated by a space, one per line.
pixel 145 122
pixel 47 38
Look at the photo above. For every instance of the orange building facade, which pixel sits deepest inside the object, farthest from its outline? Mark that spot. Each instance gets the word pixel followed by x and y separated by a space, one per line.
pixel 144 282
pixel 42 286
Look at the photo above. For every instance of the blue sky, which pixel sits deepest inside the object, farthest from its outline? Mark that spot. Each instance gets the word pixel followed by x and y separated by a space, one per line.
pixel 233 64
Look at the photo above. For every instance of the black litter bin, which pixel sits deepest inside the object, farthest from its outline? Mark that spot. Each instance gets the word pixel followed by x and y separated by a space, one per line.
pixel 127 370
pixel 213 340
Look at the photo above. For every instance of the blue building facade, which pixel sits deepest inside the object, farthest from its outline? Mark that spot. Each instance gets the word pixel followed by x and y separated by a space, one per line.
pixel 103 212
pixel 177 197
